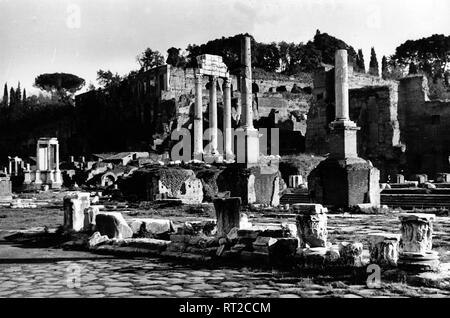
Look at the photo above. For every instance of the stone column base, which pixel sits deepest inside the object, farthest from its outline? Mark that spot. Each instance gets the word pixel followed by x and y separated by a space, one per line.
pixel 247 146
pixel 344 183
pixel 421 262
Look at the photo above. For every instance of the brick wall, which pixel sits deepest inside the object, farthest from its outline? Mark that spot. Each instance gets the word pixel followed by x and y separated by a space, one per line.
pixel 425 125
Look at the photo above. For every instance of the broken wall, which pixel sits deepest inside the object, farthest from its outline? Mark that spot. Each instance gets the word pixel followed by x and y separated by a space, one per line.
pixel 374 108
pixel 425 125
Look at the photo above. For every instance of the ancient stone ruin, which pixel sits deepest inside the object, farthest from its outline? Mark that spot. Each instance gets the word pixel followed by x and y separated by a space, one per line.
pixel 47 170
pixel 344 179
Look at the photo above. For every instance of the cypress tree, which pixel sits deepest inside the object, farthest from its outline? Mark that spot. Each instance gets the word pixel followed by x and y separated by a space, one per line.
pixel 5 96
pixel 18 95
pixel 373 66
pixel 360 62
pixel 12 98
pixel 24 97
pixel 384 67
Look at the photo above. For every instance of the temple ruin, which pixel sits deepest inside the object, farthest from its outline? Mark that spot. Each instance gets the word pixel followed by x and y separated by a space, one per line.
pixel 47 170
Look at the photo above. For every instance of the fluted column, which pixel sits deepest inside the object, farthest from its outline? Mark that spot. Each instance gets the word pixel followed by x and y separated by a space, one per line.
pixel 198 118
pixel 213 113
pixel 227 133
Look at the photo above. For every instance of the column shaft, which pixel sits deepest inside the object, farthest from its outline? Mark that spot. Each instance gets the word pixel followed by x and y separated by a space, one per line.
pixel 341 85
pixel 198 117
pixel 227 133
pixel 57 157
pixel 213 113
pixel 38 160
pixel 246 82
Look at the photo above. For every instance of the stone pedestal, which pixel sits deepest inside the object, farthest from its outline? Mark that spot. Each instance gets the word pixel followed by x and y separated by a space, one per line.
pixel 256 184
pixel 74 207
pixel 37 177
pixel 57 181
pixel 416 243
pixel 312 229
pixel 343 139
pixel 384 248
pixel 344 182
pixel 227 214
pixel 5 188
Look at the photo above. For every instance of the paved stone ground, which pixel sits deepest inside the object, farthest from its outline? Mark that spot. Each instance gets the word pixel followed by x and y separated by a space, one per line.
pixel 156 278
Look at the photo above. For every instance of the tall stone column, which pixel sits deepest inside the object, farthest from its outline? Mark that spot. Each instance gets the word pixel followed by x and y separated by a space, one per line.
pixel 341 85
pixel 198 118
pixel 343 136
pixel 38 159
pixel 213 113
pixel 49 157
pixel 251 147
pixel 57 157
pixel 246 84
pixel 227 133
pixel 16 166
pixel 58 177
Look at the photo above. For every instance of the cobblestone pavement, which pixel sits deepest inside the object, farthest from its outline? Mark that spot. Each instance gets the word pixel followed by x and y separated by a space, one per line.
pixel 157 278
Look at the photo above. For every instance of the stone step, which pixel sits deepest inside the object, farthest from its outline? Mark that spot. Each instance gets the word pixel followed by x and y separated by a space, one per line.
pixel 416 200
pixel 291 198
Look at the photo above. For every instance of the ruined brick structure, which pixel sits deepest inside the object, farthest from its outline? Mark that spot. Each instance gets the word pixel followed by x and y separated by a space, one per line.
pixel 401 129
pixel 373 107
pixel 424 126
pixel 144 109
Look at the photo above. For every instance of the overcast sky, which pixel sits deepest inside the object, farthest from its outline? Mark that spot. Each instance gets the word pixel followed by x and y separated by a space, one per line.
pixel 82 36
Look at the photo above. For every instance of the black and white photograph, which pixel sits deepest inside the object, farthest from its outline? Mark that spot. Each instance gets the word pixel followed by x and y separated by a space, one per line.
pixel 237 151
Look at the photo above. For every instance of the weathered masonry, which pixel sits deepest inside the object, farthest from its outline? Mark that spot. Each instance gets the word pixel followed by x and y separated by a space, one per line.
pixel 402 131
pixel 147 107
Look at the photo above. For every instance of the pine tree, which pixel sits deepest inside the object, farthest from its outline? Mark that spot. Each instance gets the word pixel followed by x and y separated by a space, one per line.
pixel 5 96
pixel 384 67
pixel 373 66
pixel 360 62
pixel 18 95
pixel 12 98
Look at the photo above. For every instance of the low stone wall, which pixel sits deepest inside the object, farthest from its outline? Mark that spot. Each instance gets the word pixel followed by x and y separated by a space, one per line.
pixel 162 182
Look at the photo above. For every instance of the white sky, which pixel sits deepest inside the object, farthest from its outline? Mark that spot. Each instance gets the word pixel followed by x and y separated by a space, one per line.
pixel 46 36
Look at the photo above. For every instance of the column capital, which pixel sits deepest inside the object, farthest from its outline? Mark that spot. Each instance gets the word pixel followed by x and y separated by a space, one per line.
pixel 213 78
pixel 227 82
pixel 198 77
